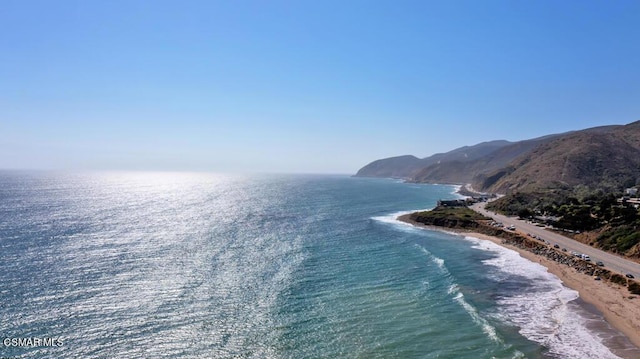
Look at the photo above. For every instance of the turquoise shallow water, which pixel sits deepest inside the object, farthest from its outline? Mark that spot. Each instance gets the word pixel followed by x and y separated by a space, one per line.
pixel 181 265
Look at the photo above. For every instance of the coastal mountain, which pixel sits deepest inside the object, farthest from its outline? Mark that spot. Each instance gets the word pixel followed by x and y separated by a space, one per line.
pixel 601 157
pixel 407 166
pixel 392 167
pixel 467 170
pixel 605 158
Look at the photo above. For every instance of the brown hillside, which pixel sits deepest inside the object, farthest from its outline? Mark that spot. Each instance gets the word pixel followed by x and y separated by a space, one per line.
pixel 599 159
pixel 466 171
pixel 406 166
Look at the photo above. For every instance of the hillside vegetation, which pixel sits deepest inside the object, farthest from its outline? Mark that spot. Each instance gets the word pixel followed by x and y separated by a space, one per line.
pixel 595 218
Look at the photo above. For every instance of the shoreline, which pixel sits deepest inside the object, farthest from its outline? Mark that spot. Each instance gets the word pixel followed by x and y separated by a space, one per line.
pixel 619 308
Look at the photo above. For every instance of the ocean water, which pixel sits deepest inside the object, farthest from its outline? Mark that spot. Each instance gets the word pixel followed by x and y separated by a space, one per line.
pixel 187 265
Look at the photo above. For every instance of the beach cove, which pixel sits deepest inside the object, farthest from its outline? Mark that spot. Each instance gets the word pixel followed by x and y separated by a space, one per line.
pixel 614 302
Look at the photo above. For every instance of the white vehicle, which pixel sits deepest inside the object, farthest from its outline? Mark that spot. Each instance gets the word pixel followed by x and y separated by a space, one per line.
pixel 586 257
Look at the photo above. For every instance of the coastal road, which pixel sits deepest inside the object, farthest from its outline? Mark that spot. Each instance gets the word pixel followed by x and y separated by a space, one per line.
pixel 611 261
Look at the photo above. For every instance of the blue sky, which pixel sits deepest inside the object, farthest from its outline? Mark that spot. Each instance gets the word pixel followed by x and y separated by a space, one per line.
pixel 303 86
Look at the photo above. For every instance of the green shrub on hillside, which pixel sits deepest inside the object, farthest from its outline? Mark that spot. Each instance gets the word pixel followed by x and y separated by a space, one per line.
pixel 453 213
pixel 533 202
pixel 576 216
pixel 620 238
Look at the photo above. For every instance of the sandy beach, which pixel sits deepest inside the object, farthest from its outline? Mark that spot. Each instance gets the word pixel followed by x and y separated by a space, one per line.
pixel 620 308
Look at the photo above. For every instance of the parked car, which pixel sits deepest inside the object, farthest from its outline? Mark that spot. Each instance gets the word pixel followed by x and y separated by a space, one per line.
pixel 600 263
pixel 629 275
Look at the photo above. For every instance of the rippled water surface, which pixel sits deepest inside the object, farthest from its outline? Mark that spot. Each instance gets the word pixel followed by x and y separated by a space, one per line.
pixel 183 265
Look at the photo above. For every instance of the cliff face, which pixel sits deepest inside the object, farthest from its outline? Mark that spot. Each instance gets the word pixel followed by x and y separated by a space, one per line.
pixel 605 157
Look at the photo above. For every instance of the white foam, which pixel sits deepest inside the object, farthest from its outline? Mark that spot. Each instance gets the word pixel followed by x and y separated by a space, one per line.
pixel 454 291
pixel 543 311
pixel 438 261
pixel 544 315
pixel 456 192
pixel 487 328
pixel 392 218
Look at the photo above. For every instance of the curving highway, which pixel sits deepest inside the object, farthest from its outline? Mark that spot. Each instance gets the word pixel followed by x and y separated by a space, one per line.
pixel 611 261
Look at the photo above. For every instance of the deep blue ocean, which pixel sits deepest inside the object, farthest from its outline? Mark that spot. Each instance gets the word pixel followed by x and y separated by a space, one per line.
pixel 194 265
